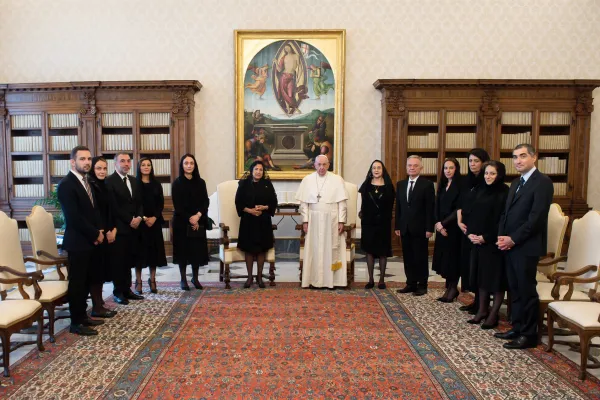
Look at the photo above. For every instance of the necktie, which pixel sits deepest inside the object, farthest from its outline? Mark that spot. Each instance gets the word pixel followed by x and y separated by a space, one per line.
pixel 88 189
pixel 521 183
pixel 410 191
pixel 125 182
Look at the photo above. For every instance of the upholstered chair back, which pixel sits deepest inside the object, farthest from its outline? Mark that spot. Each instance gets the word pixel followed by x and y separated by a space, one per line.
pixel 557 226
pixel 352 213
pixel 42 233
pixel 11 254
pixel 583 246
pixel 227 212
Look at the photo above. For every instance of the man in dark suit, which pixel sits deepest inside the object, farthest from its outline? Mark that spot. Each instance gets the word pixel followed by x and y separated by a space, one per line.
pixel 523 235
pixel 125 195
pixel 415 203
pixel 82 234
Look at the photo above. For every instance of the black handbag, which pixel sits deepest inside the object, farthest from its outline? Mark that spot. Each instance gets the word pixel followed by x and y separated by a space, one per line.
pixel 196 233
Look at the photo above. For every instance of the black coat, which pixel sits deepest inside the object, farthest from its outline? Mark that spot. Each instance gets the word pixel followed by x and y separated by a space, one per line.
pixel 125 205
pixel 256 233
pixel 152 242
pixel 189 197
pixel 415 218
pixel 488 261
pixel 83 220
pixel 446 254
pixel 525 216
pixel 376 216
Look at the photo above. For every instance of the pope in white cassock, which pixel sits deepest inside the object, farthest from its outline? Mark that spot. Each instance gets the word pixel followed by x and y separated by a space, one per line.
pixel 322 197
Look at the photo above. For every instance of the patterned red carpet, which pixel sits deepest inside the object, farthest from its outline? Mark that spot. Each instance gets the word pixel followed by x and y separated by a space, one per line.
pixel 289 343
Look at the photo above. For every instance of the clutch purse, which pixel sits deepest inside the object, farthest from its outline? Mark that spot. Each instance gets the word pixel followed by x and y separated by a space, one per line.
pixel 192 233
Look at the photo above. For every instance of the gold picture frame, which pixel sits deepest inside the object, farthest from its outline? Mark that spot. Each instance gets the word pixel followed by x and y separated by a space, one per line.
pixel 289 107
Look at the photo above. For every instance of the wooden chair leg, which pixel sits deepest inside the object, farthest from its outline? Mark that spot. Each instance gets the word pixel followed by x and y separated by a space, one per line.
pixel 5 336
pixel 542 312
pixel 221 271
pixel 550 330
pixel 301 265
pixel 227 280
pixel 585 349
pixel 40 332
pixel 272 274
pixel 50 310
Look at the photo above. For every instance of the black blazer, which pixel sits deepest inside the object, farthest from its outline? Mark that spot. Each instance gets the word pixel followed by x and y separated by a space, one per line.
pixel 83 220
pixel 525 216
pixel 124 205
pixel 415 218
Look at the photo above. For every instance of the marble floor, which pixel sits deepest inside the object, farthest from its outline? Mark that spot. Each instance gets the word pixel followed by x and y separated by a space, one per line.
pixel 287 271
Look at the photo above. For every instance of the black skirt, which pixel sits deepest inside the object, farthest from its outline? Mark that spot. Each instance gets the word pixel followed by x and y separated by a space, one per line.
pixel 152 246
pixel 376 239
pixel 188 250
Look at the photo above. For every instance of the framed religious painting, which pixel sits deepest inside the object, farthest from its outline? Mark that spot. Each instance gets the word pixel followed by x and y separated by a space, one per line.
pixel 289 91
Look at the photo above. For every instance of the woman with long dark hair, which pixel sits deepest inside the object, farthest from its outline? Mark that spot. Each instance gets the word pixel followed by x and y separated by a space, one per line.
pixel 446 253
pixel 152 246
pixel 378 194
pixel 470 186
pixel 486 259
pixel 190 218
pixel 101 270
pixel 255 201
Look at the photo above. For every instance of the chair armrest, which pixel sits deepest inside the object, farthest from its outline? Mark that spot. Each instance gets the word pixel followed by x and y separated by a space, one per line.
pixel 61 259
pixel 274 227
pixel 546 263
pixel 27 279
pixel 224 240
pixel 38 275
pixel 570 281
pixel 38 261
pixel 579 272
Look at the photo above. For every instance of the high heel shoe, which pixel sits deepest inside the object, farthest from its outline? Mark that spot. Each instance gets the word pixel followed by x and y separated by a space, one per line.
pixel 448 300
pixel 138 287
pixel 486 326
pixel 248 283
pixel 196 284
pixel 370 285
pixel 381 285
pixel 261 284
pixel 152 285
pixel 184 286
pixel 476 320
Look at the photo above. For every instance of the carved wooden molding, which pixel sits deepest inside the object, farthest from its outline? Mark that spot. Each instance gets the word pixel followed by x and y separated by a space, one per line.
pixel 181 104
pixel 107 85
pixel 489 103
pixel 394 102
pixel 3 110
pixel 496 83
pixel 89 108
pixel 584 104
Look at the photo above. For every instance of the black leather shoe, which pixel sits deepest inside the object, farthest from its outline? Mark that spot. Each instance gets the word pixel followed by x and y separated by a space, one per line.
pixel 121 300
pixel 91 322
pixel 184 286
pixel 522 342
pixel 197 284
pixel 510 335
pixel 468 307
pixel 407 289
pixel 370 285
pixel 381 285
pixel 79 329
pixel 132 296
pixel 420 292
pixel 103 314
pixel 486 326
pixel 261 284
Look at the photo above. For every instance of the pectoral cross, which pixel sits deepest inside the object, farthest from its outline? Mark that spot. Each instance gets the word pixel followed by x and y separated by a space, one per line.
pixel 318 197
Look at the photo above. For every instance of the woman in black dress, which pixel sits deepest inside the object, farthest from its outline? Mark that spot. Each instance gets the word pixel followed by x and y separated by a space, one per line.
pixel 101 270
pixel 378 194
pixel 469 188
pixel 190 218
pixel 255 201
pixel 482 231
pixel 152 246
pixel 446 253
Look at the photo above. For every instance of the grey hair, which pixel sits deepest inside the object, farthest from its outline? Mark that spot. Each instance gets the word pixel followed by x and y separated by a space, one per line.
pixel 415 156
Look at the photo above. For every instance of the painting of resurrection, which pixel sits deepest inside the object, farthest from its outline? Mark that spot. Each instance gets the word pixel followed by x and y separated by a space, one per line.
pixel 289 100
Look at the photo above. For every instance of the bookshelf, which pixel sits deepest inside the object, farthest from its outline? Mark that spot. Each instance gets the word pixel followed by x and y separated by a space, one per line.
pixel 42 122
pixel 553 115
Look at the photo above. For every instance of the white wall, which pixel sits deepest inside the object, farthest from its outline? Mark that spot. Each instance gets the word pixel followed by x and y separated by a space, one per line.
pixel 68 40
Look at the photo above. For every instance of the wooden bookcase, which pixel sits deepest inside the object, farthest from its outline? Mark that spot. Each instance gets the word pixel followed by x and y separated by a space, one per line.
pixel 553 115
pixel 41 122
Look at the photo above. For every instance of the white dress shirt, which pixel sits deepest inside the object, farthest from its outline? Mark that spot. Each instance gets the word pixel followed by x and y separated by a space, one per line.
pixel 128 183
pixel 408 185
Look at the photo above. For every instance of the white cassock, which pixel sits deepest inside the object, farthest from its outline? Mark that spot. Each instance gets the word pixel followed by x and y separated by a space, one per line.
pixel 323 206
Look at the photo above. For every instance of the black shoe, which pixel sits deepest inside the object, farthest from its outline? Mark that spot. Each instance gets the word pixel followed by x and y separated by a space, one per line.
pixel 381 285
pixel 121 300
pixel 196 284
pixel 103 314
pixel 79 329
pixel 370 285
pixel 476 320
pixel 468 307
pixel 261 284
pixel 407 289
pixel 522 342
pixel 486 326
pixel 184 286
pixel 420 292
pixel 132 296
pixel 91 322
pixel 248 283
pixel 510 335
pixel 138 288
pixel 152 285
